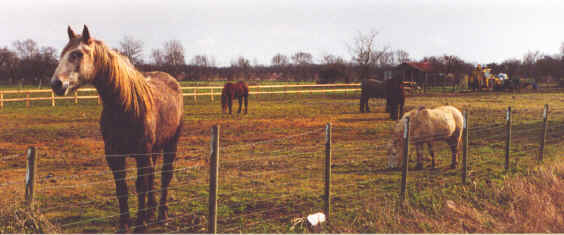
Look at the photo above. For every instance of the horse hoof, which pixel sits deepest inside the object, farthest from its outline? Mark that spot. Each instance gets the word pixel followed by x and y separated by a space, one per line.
pixel 124 228
pixel 140 228
pixel 163 216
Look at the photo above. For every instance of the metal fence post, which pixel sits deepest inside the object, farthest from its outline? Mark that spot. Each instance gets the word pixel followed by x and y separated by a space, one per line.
pixel 404 160
pixel 1 100
pixel 328 153
pixel 30 175
pixel 52 98
pixel 465 148
pixel 507 137
pixel 195 95
pixel 76 97
pixel 214 168
pixel 544 131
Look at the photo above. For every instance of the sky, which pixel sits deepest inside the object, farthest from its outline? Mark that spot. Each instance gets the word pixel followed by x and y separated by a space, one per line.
pixel 478 31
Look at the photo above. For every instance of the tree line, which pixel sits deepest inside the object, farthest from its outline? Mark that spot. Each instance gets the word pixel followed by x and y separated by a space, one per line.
pixel 25 62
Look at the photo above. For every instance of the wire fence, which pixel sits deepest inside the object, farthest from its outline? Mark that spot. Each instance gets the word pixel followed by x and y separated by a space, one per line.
pixel 265 185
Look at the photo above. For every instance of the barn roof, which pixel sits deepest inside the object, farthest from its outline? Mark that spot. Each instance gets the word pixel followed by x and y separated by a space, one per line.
pixel 422 66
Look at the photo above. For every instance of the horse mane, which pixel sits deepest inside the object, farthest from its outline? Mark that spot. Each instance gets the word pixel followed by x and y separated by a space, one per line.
pixel 131 87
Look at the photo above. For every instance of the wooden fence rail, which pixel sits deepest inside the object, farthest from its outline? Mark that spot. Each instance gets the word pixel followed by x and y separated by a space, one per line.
pixel 195 92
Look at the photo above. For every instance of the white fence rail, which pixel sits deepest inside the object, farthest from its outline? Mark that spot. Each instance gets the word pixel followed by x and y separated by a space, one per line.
pixel 208 91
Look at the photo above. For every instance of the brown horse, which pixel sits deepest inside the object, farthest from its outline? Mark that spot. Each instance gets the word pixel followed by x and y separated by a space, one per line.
pixel 141 117
pixel 395 98
pixel 370 88
pixel 238 90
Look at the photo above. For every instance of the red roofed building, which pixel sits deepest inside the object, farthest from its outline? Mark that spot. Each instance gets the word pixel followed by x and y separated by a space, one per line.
pixel 422 73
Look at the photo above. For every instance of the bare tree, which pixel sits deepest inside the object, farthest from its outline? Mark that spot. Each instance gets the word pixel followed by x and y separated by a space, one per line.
pixel 332 59
pixel 529 61
pixel 174 53
pixel 365 52
pixel 158 57
pixel 26 49
pixel 201 60
pixel 8 64
pixel 402 56
pixel 132 49
pixel 280 60
pixel 302 58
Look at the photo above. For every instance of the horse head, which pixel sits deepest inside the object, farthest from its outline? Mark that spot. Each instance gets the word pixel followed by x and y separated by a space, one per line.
pixel 76 63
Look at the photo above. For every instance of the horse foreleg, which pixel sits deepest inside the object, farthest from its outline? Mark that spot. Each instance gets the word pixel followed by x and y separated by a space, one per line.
pixel 117 165
pixel 246 103
pixel 144 169
pixel 151 202
pixel 419 152
pixel 230 103
pixel 240 103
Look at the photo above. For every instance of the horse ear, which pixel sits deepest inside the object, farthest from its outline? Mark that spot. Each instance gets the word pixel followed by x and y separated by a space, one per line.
pixel 85 34
pixel 71 33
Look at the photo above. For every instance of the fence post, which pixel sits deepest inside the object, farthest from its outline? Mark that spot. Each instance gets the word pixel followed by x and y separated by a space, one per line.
pixel 27 101
pixel 75 97
pixel 99 100
pixel 211 91
pixel 404 160
pixel 214 167
pixel 195 95
pixel 465 148
pixel 543 136
pixel 1 100
pixel 52 98
pixel 507 137
pixel 30 175
pixel 328 153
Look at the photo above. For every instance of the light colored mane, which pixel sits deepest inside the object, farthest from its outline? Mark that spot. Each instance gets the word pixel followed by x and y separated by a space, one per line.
pixel 128 83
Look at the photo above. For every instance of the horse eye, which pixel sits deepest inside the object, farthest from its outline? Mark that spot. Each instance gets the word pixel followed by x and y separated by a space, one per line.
pixel 75 55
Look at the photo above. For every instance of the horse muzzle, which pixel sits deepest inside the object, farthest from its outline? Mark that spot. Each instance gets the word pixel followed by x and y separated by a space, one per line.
pixel 59 87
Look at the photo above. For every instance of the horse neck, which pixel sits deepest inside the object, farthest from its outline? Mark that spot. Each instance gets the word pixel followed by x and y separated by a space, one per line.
pixel 120 91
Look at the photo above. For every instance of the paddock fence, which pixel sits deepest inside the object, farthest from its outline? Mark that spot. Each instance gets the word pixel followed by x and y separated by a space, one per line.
pixel 27 96
pixel 271 185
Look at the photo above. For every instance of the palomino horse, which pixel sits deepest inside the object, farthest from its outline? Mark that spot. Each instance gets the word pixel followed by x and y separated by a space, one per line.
pixel 238 90
pixel 141 117
pixel 426 126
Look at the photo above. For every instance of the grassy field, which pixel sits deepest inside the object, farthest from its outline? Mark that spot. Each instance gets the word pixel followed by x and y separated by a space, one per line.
pixel 271 167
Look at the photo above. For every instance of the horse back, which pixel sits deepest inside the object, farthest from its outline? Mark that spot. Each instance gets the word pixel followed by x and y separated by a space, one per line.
pixel 168 105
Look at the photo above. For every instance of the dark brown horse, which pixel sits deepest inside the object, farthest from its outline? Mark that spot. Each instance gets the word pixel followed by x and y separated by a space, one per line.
pixel 370 88
pixel 141 117
pixel 395 98
pixel 230 91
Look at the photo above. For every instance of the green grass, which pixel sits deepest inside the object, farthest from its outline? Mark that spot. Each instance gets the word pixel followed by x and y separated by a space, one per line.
pixel 270 174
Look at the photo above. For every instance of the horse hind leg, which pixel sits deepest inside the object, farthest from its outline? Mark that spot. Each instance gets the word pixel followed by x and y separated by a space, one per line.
pixel 432 155
pixel 419 152
pixel 166 176
pixel 240 104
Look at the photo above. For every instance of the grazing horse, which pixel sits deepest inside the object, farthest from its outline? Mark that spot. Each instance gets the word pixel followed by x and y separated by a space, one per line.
pixel 427 125
pixel 395 98
pixel 141 117
pixel 370 88
pixel 230 91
